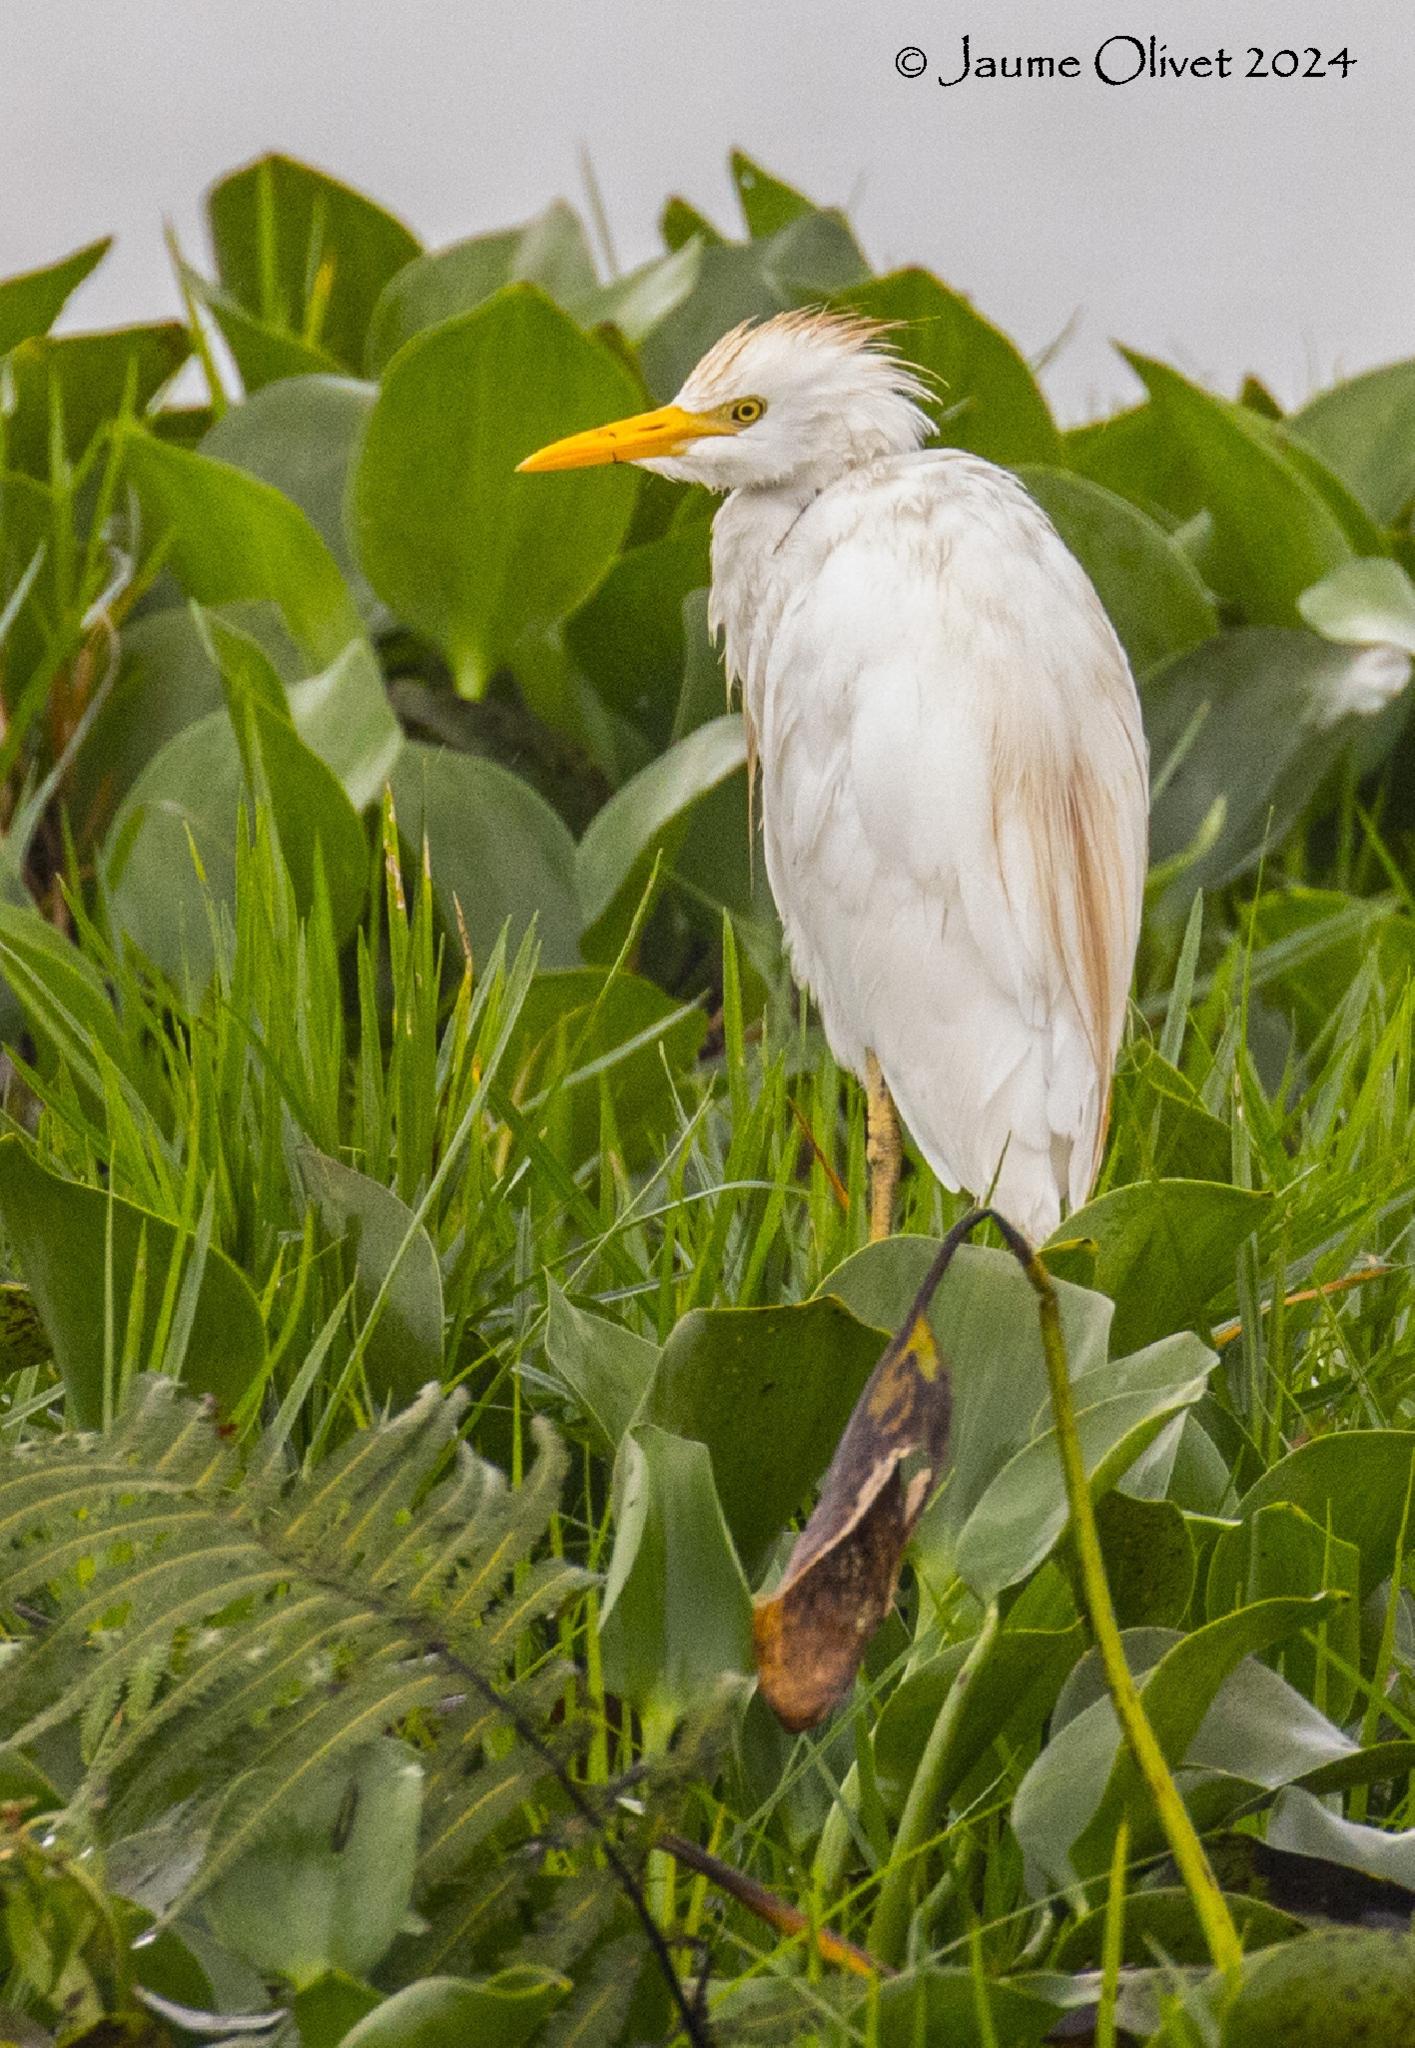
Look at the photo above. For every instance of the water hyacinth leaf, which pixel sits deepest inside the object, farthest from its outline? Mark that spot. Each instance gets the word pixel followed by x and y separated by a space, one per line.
pixel 1362 430
pixel 583 1042
pixel 343 715
pixel 331 1882
pixel 85 380
pixel 1253 721
pixel 733 284
pixel 1275 1550
pixel 1275 533
pixel 768 1390
pixel 1009 1696
pixel 679 223
pixel 171 852
pixel 500 2011
pixel 304 252
pixel 677 1618
pixel 984 1319
pixel 233 537
pixel 1069 1803
pixel 452 539
pixel 813 257
pixel 498 852
pixel 33 301
pixel 60 1231
pixel 955 2005
pixel 638 301
pixel 1301 1824
pixel 1337 1984
pixel 1163 1922
pixel 605 1368
pixel 1164 1250
pixel 1368 603
pixel 1353 1485
pixel 1149 1559
pixel 768 203
pixel 1133 454
pixel 648 814
pixel 985 396
pixel 550 251
pixel 263 354
pixel 300 434
pixel 1151 591
pixel 628 637
pixel 404 1351
pixel 166 681
pixel 1121 1409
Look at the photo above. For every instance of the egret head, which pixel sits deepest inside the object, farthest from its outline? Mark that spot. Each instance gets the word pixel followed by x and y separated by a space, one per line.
pixel 799 398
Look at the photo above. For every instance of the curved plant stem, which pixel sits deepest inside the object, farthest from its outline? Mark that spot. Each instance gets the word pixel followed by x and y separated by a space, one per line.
pixel 1220 1934
pixel 890 1925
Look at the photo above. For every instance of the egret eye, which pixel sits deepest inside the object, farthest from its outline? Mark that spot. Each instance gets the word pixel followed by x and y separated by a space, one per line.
pixel 746 410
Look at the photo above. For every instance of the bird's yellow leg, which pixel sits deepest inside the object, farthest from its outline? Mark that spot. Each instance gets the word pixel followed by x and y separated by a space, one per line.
pixel 884 1149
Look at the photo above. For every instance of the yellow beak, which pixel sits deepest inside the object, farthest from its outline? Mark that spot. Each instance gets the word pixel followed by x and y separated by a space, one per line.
pixel 664 432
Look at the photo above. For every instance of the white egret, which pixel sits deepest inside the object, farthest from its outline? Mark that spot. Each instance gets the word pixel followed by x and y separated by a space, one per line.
pixel 953 770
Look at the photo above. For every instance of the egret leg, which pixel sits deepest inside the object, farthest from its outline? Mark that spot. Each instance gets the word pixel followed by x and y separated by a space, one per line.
pixel 884 1149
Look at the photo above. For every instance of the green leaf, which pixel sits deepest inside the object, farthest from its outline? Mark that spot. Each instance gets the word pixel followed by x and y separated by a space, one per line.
pixel 1345 1984
pixel 550 251
pixel 497 850
pixel 455 2012
pixel 628 636
pixel 301 435
pixel 1120 1410
pixel 1133 454
pixel 584 1042
pixel 1274 532
pixel 305 253
pixel 331 1883
pixel 1352 1485
pixel 733 284
pixel 453 541
pixel 343 715
pixel 1155 599
pixel 679 223
pixel 1009 1695
pixel 986 398
pixel 234 537
pixel 405 1350
pixel 768 1390
pixel 1255 720
pixel 33 301
pixel 677 1617
pixel 1301 1824
pixel 1363 430
pixel 166 681
pixel 1279 1550
pixel 60 1231
pixel 813 257
pixel 1149 1560
pixel 767 203
pixel 188 800
pixel 1069 1803
pixel 650 812
pixel 605 1368
pixel 1164 1250
pixel 262 353
pixel 638 301
pixel 1367 603
pixel 86 378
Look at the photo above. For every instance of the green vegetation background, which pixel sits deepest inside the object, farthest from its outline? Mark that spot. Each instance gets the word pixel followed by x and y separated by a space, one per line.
pixel 398 1055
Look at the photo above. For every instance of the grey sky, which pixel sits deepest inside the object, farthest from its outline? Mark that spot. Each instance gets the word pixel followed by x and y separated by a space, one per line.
pixel 1227 224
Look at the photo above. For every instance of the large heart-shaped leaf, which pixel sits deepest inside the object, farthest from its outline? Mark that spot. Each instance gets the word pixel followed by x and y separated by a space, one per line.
pixel 1274 532
pixel 497 851
pixel 1164 1250
pixel 1154 596
pixel 1365 430
pixel 551 251
pixel 987 398
pixel 232 537
pixel 304 252
pixel 453 541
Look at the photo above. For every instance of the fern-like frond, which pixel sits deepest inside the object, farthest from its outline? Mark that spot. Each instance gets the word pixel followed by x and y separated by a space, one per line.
pixel 226 1633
